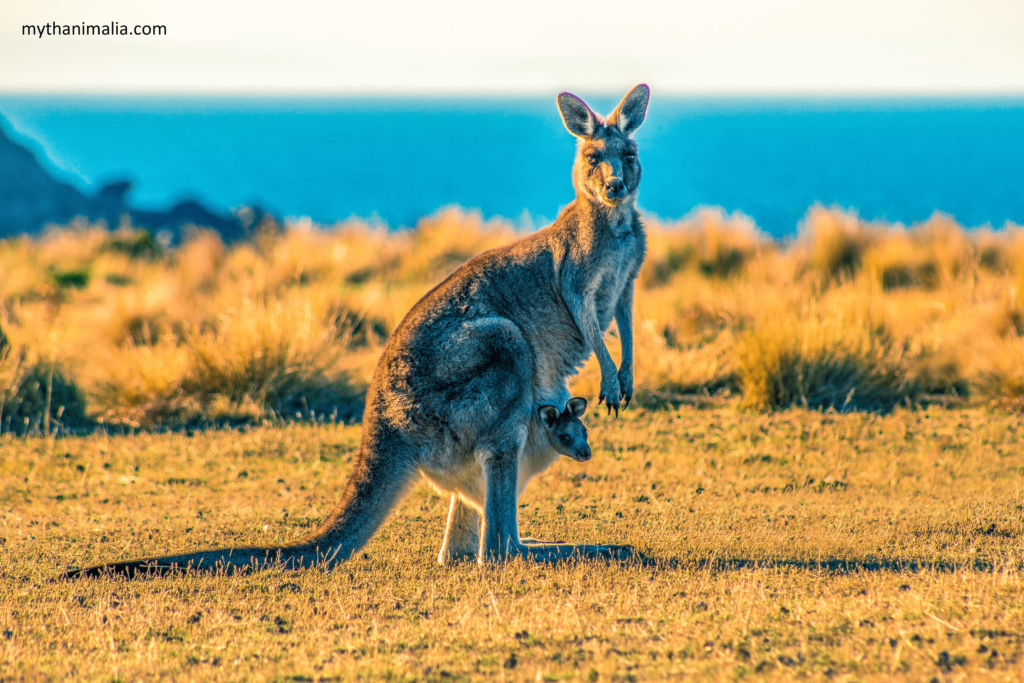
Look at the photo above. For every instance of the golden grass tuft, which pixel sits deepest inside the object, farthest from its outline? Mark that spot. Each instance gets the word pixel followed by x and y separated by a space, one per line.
pixel 197 261
pixel 708 241
pixel 832 242
pixel 37 392
pixel 998 373
pixel 932 255
pixel 268 354
pixel 444 241
pixel 144 385
pixel 821 359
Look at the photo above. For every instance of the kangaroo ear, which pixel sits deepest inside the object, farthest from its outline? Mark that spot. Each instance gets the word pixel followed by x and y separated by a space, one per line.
pixel 577 116
pixel 548 415
pixel 577 406
pixel 631 110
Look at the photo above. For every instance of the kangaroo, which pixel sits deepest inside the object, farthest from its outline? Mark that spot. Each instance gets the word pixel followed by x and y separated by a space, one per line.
pixel 457 392
pixel 559 434
pixel 566 433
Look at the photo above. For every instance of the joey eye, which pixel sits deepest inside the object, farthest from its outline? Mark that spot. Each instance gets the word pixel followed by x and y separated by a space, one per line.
pixel 631 156
pixel 592 159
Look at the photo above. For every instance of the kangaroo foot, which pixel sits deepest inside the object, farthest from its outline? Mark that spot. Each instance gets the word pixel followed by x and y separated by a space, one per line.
pixel 560 552
pixel 536 541
pixel 451 557
pixel 608 552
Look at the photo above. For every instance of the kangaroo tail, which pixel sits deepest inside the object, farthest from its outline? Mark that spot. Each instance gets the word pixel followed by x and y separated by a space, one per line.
pixel 384 471
pixel 228 560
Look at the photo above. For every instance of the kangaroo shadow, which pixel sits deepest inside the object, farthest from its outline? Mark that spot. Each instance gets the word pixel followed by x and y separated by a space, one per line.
pixel 894 565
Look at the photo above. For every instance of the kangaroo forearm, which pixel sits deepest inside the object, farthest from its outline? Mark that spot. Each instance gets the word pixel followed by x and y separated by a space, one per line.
pixel 624 321
pixel 604 358
pixel 585 318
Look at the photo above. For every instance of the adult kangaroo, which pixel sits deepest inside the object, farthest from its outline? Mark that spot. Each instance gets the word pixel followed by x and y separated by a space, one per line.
pixel 457 393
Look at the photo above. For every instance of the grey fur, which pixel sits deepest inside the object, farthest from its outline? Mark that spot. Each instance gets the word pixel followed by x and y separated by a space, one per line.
pixel 456 392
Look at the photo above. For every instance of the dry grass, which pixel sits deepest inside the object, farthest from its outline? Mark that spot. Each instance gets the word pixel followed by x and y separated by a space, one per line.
pixel 36 389
pixel 274 354
pixel 832 243
pixel 707 241
pixel 782 546
pixel 1001 372
pixel 783 543
pixel 292 322
pixel 822 359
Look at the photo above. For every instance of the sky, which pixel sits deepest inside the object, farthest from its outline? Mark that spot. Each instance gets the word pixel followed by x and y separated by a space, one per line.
pixel 816 47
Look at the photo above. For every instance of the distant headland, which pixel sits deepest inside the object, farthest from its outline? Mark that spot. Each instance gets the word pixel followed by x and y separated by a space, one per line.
pixel 31 198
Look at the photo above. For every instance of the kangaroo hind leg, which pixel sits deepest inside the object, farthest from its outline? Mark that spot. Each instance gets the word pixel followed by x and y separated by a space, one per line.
pixel 461 534
pixel 499 535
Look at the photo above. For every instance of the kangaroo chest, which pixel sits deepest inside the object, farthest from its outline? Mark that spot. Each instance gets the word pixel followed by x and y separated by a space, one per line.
pixel 614 267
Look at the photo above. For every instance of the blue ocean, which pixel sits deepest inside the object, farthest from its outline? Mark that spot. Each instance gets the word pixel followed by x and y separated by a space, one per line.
pixel 394 160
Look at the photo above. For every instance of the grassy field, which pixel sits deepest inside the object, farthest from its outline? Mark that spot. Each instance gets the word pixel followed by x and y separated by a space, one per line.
pixel 794 544
pixel 822 466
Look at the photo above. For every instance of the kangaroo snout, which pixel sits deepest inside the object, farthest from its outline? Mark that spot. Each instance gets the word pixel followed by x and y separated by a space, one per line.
pixel 614 190
pixel 582 455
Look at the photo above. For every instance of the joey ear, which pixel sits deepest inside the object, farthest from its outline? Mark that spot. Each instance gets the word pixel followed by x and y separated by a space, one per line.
pixel 577 116
pixel 548 415
pixel 632 110
pixel 577 406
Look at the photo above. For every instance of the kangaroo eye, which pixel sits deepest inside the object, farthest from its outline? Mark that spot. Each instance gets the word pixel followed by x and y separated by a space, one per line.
pixel 592 159
pixel 630 156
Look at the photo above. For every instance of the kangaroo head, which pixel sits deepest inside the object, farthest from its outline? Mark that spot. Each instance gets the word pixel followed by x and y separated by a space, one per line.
pixel 607 170
pixel 565 430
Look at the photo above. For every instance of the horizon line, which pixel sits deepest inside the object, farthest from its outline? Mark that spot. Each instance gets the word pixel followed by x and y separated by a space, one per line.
pixel 513 94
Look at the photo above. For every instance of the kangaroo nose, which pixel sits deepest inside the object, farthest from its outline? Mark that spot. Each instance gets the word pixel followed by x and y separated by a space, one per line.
pixel 614 186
